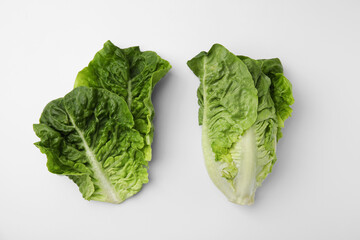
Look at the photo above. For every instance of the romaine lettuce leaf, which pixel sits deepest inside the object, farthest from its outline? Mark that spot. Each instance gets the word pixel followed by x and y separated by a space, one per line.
pixel 243 106
pixel 281 90
pixel 88 135
pixel 131 74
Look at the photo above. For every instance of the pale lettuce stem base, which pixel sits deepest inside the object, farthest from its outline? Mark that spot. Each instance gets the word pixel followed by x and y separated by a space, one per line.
pixel 244 153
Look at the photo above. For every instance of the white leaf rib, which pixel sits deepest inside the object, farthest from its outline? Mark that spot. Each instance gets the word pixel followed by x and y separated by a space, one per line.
pixel 104 183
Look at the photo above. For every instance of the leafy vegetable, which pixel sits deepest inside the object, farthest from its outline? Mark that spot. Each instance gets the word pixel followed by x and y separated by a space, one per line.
pixel 100 134
pixel 88 136
pixel 131 74
pixel 243 106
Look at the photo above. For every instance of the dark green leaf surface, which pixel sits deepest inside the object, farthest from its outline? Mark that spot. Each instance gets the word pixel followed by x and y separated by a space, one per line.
pixel 131 74
pixel 88 135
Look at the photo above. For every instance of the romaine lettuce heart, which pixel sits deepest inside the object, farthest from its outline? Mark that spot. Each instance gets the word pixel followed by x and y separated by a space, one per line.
pixel 243 106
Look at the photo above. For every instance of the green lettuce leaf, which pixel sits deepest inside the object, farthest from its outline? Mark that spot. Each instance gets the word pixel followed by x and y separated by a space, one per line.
pixel 281 90
pixel 88 135
pixel 241 109
pixel 131 74
pixel 264 129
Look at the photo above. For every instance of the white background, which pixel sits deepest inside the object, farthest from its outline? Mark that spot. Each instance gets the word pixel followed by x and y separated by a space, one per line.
pixel 313 192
